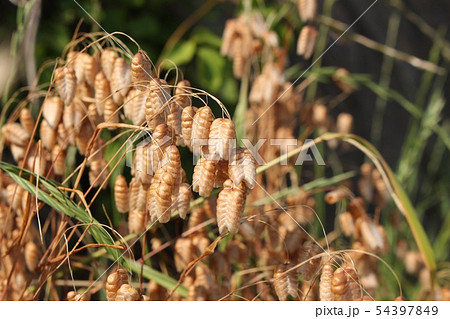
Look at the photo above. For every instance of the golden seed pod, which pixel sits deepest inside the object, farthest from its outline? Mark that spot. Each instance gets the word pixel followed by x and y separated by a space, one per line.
pixel 239 60
pixel 354 291
pixel 184 253
pixel 98 173
pixel 107 59
pixel 134 106
pixel 174 121
pixel 285 284
pixel 133 192
pixel 62 137
pixel 141 199
pixel 357 208
pixel 59 160
pixel 120 80
pixel 15 134
pixel 140 70
pixel 38 164
pixel 47 135
pixel 164 197
pixel 200 242
pixel 114 281
pixel 32 255
pixel 347 224
pixel 27 121
pixel 202 121
pixel 309 250
pixel 102 91
pixel 156 105
pixel 336 195
pixel 344 123
pixel 413 262
pixel 136 221
pixel 319 114
pixel 151 197
pixel 307 41
pixel 230 206
pixel 144 164
pixel 127 293
pixel 242 167
pixel 110 112
pixel 171 162
pixel 203 177
pixel 121 194
pixel 14 195
pixel 83 137
pixel 221 174
pixel 90 68
pixel 339 285
pixel 222 139
pixel 205 279
pixel 18 152
pixel 53 111
pixel 66 83
pixel 74 296
pixel 307 9
pixel 371 235
pixel 182 95
pixel 93 115
pixel 326 277
pixel 187 118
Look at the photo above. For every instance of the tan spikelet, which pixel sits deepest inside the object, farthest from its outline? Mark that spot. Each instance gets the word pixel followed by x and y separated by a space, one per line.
pixel 187 118
pixel 58 160
pixel 107 59
pixel 14 195
pixel 183 200
pixel 126 293
pixel 182 95
pixel 15 134
pixel 285 284
pixel 354 287
pixel 336 195
pixel 110 112
pixel 221 174
pixel 121 194
pixel 38 163
pixel 32 254
pixel 66 83
pixel 347 224
pixel 370 234
pixel 222 139
pixel 136 221
pixel 93 115
pixel 141 162
pixel 140 70
pixel 171 163
pixel 91 67
pixel 134 106
pixel 52 111
pixel 83 137
pixel 203 177
pixel 309 250
pixel 184 253
pixel 319 114
pixel 133 192
pixel 151 197
pixel 239 59
pixel 325 283
pixel 202 121
pixel 307 9
pixel 230 207
pixel 174 121
pixel 344 123
pixel 156 104
pixel 120 80
pixel 73 296
pixel 18 152
pixel 98 173
pixel 114 282
pixel 27 121
pixel 307 41
pixel 339 285
pixel 164 197
pixel 47 135
pixel 102 91
pixel 242 167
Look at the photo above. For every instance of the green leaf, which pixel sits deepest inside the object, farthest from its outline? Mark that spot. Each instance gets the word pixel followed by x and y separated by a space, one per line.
pixel 182 53
pixel 211 67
